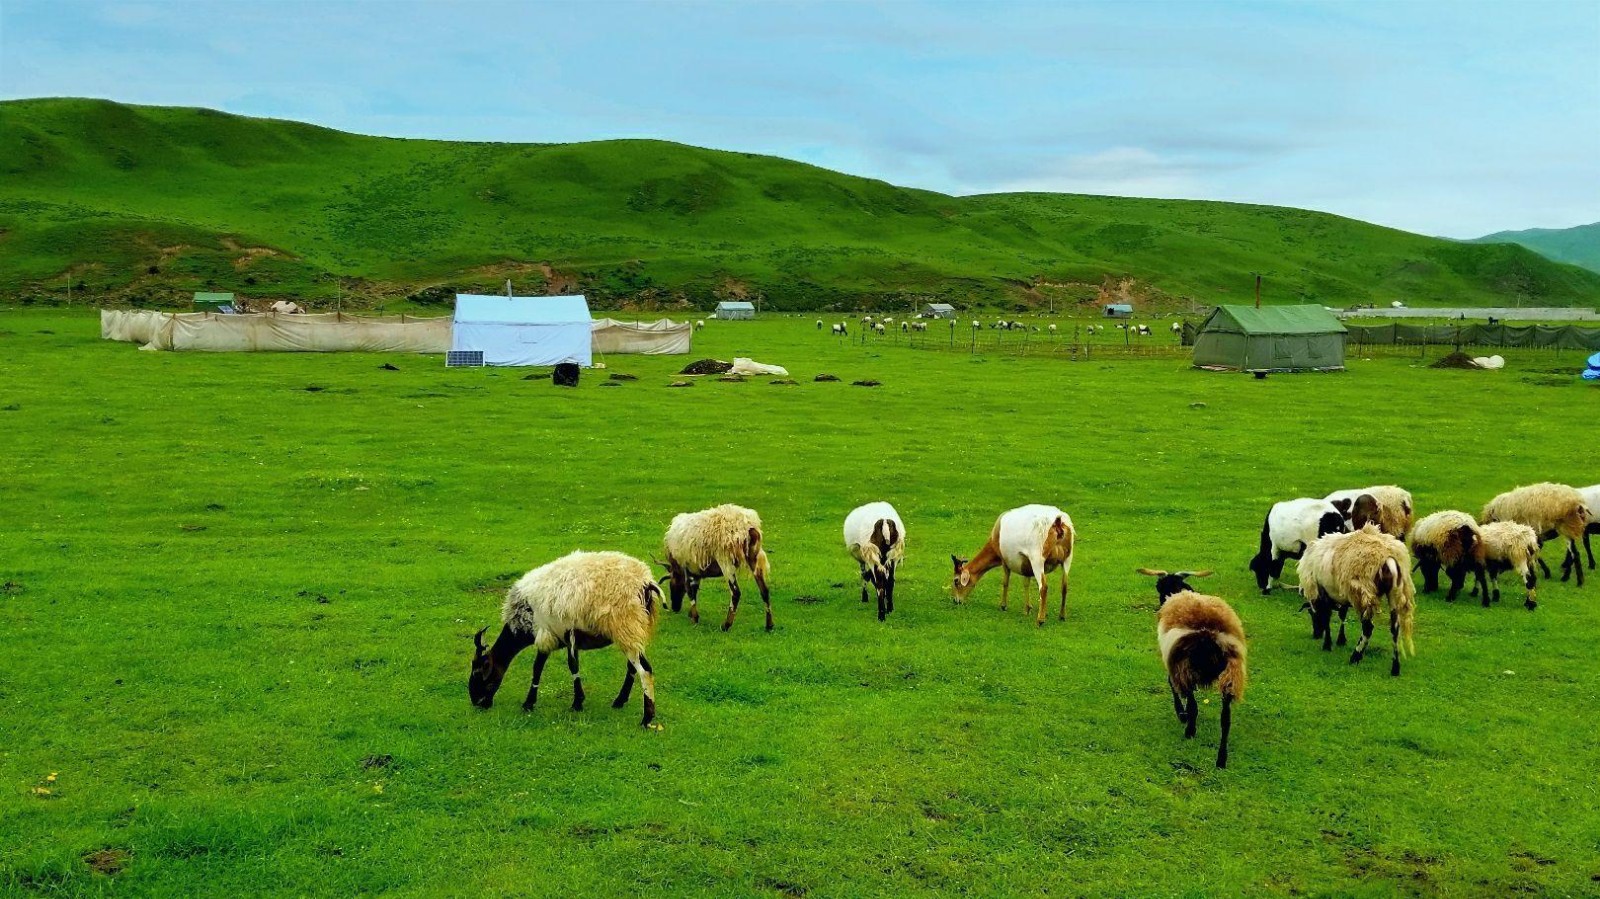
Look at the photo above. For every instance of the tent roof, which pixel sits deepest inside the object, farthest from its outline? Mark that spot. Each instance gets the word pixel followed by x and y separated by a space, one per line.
pixel 735 304
pixel 521 310
pixel 1273 320
pixel 201 297
pixel 1120 307
pixel 942 307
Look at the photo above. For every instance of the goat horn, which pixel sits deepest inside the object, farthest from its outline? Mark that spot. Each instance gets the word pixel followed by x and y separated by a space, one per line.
pixel 1204 572
pixel 1153 572
pixel 477 639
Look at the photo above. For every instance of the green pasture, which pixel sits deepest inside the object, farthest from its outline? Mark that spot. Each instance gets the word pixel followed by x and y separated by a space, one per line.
pixel 236 618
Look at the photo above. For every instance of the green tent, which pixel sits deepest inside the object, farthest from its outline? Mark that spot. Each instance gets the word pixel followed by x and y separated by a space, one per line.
pixel 213 302
pixel 1274 338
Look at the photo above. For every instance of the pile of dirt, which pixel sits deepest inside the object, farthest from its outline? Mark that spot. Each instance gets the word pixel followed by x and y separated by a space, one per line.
pixel 867 383
pixel 826 378
pixel 619 376
pixel 785 381
pixel 707 367
pixel 1457 359
pixel 732 379
pixel 681 384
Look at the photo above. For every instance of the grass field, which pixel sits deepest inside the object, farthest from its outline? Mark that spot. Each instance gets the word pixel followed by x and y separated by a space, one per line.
pixel 145 204
pixel 237 613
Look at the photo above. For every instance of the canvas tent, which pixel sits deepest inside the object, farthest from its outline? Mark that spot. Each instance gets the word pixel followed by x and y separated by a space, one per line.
pixel 658 338
pixel 939 310
pixel 1273 338
pixel 494 330
pixel 727 310
pixel 1118 310
pixel 213 302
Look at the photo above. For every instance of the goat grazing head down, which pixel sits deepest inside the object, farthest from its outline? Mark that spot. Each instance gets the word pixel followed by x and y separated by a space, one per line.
pixel 1169 583
pixel 486 676
pixel 963 582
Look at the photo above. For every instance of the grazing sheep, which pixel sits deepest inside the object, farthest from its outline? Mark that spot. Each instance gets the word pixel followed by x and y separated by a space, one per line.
pixel 1290 527
pixel 840 330
pixel 287 308
pixel 1591 502
pixel 1551 510
pixel 584 600
pixel 1509 546
pixel 1144 331
pixel 921 326
pixel 905 326
pixel 819 324
pixel 699 324
pixel 1450 540
pixel 1360 568
pixel 711 543
pixel 1177 327
pixel 879 328
pixel 1032 541
pixel 1389 507
pixel 1202 643
pixel 876 539
pixel 1052 329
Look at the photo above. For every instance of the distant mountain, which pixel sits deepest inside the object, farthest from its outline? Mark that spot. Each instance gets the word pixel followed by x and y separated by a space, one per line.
pixel 146 203
pixel 1576 246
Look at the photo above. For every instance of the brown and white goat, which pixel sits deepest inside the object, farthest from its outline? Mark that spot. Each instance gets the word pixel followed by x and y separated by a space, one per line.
pixel 1032 541
pixel 1202 643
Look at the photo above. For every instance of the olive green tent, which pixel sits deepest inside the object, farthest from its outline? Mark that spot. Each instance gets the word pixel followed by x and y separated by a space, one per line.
pixel 1274 338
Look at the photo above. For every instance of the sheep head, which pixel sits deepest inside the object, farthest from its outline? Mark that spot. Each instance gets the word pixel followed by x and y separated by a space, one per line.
pixel 963 581
pixel 1169 583
pixel 484 681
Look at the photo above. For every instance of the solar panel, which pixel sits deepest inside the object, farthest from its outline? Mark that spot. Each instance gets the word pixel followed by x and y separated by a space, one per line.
pixel 462 358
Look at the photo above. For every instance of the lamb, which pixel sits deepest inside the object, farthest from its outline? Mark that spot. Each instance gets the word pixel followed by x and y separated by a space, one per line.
pixel 1202 643
pixel 583 600
pixel 1450 540
pixel 1389 506
pixel 1289 528
pixel 840 330
pixel 1591 501
pixel 1052 329
pixel 876 539
pixel 1551 510
pixel 1032 541
pixel 921 326
pixel 715 542
pixel 699 324
pixel 819 324
pixel 1508 546
pixel 1359 569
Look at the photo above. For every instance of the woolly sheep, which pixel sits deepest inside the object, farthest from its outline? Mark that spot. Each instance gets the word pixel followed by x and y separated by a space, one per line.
pixel 879 328
pixel 1452 541
pixel 1551 510
pixel 819 324
pixel 699 324
pixel 715 542
pixel 841 330
pixel 1032 541
pixel 1388 506
pixel 584 600
pixel 1591 502
pixel 1360 569
pixel 1290 527
pixel 1509 546
pixel 1202 643
pixel 876 538
pixel 1052 329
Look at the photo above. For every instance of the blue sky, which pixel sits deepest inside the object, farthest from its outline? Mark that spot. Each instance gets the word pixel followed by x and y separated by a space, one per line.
pixel 1444 118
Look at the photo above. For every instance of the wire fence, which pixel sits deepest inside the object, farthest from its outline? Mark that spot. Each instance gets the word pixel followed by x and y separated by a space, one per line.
pixel 1072 342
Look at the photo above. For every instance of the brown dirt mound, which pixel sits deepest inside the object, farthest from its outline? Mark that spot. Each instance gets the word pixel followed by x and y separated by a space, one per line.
pixel 621 376
pixel 785 381
pixel 1457 359
pixel 826 378
pixel 867 383
pixel 681 384
pixel 707 367
pixel 109 862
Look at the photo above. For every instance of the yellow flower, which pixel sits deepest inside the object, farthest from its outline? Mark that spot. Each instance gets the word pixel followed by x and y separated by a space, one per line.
pixel 377 788
pixel 52 777
pixel 41 791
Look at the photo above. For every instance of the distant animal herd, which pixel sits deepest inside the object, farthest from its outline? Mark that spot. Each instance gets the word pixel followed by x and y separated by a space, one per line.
pixel 916 323
pixel 1351 546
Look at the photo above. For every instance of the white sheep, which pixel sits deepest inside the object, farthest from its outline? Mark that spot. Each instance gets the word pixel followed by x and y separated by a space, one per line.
pixel 1177 327
pixel 1032 541
pixel 583 600
pixel 976 325
pixel 840 330
pixel 1359 569
pixel 819 324
pixel 1052 329
pixel 1509 546
pixel 1388 506
pixel 1551 510
pixel 880 329
pixel 1290 527
pixel 876 538
pixel 699 324
pixel 715 542
pixel 1591 502
pixel 1450 540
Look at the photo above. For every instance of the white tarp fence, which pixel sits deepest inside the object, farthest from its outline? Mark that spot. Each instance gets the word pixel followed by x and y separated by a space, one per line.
pixel 657 338
pixel 330 332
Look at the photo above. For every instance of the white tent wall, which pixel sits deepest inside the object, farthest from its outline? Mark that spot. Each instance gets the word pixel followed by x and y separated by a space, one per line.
pixel 273 332
pixel 658 338
pixel 523 330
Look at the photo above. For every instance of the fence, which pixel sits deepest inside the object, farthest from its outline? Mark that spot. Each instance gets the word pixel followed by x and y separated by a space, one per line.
pixel 1073 342
pixel 1564 337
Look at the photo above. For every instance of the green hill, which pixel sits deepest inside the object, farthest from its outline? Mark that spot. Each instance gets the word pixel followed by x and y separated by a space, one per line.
pixel 146 203
pixel 1575 246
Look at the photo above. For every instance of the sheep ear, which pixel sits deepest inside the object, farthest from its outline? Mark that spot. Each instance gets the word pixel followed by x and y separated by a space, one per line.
pixel 477 639
pixel 958 562
pixel 1152 572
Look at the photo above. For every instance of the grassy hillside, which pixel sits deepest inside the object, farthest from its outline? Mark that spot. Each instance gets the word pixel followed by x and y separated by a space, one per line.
pixel 1576 246
pixel 144 203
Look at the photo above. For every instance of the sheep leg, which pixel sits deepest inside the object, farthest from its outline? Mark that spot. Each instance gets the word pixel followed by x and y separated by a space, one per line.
pixel 1577 560
pixel 1194 715
pixel 1322 619
pixel 1227 721
pixel 1458 577
pixel 538 672
pixel 627 684
pixel 1177 703
pixel 733 599
pixel 1430 574
pixel 647 678
pixel 892 567
pixel 1482 583
pixel 1394 635
pixel 694 600
pixel 864 579
pixel 1343 611
pixel 1005 587
pixel 1063 615
pixel 1044 595
pixel 572 665
pixel 766 595
pixel 1587 533
pixel 1539 557
pixel 1366 636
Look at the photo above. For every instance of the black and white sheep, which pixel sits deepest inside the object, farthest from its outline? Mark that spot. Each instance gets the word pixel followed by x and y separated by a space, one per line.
pixel 584 600
pixel 1202 643
pixel 715 542
pixel 1289 528
pixel 876 538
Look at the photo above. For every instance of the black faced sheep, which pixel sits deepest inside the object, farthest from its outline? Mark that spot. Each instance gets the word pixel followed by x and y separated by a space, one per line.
pixel 1452 541
pixel 711 543
pixel 1202 643
pixel 585 600
pixel 1289 528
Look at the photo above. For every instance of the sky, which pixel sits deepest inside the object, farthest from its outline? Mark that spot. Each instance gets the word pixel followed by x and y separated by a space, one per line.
pixel 1447 118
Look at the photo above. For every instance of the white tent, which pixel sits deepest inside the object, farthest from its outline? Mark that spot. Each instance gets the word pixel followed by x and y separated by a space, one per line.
pixel 520 330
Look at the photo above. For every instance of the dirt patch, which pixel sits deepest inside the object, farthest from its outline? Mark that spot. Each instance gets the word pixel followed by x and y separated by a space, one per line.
pixel 732 379
pixel 807 599
pixel 826 378
pixel 619 376
pixel 109 862
pixel 790 382
pixel 377 761
pixel 1457 359
pixel 681 384
pixel 707 367
pixel 867 383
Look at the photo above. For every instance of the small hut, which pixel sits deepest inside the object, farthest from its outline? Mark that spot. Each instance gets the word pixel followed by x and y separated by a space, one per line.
pixel 939 310
pixel 1118 310
pixel 729 309
pixel 1273 338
